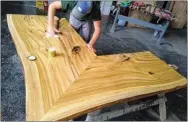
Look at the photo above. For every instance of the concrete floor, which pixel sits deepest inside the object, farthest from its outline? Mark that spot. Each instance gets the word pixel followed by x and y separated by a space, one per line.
pixel 124 40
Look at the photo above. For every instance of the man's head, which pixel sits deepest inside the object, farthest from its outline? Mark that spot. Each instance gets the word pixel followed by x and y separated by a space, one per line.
pixel 82 8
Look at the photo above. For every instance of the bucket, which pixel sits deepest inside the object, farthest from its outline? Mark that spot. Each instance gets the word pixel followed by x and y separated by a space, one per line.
pixel 121 22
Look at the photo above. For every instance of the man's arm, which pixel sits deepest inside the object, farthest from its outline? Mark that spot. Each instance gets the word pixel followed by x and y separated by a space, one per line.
pixel 96 34
pixel 51 13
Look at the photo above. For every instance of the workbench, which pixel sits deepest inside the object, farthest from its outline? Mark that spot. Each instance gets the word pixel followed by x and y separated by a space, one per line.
pixel 76 83
pixel 159 28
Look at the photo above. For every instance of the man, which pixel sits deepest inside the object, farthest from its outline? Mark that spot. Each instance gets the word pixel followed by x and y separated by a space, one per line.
pixel 82 13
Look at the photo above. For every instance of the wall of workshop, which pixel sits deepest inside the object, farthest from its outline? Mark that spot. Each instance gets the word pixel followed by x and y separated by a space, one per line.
pixel 105 7
pixel 179 10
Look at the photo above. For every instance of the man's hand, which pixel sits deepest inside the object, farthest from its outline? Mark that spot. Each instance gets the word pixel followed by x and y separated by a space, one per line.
pixel 51 13
pixel 52 32
pixel 91 48
pixel 97 31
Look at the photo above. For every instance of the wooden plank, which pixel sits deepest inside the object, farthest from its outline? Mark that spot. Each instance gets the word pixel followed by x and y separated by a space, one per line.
pixel 171 5
pixel 180 12
pixel 43 77
pixel 69 84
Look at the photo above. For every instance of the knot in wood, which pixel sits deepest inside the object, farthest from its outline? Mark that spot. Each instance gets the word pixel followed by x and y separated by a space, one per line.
pixel 76 50
pixel 125 58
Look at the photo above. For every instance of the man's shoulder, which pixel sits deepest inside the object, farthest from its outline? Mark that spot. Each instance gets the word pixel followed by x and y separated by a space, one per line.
pixel 96 13
pixel 68 4
pixel 96 3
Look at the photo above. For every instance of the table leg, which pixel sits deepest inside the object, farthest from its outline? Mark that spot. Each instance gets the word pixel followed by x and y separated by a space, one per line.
pixel 161 34
pixel 162 108
pixel 91 115
pixel 115 20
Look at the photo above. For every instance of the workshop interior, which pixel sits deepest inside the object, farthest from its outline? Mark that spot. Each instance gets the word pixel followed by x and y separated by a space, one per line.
pixel 102 60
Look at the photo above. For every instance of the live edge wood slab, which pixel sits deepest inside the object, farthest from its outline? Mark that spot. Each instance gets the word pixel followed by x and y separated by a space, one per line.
pixel 73 83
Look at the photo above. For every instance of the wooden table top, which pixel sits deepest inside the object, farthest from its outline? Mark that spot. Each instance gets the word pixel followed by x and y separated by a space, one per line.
pixel 71 84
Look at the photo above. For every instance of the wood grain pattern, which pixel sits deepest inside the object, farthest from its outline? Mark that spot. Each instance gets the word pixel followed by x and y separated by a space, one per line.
pixel 70 84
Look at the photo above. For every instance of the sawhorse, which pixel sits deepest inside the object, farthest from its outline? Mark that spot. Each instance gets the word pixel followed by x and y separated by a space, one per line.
pixel 160 29
pixel 98 116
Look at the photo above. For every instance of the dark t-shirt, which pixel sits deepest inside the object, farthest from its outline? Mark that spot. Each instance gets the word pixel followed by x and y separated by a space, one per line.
pixel 94 15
